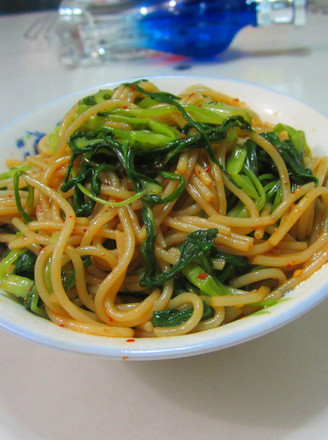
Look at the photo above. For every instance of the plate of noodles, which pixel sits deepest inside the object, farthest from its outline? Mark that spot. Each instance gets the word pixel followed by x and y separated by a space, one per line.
pixel 162 217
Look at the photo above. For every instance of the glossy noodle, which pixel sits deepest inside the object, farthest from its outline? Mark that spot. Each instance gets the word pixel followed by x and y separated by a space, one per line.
pixel 148 214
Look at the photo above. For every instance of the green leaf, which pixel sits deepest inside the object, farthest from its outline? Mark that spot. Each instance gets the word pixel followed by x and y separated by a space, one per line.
pixel 148 246
pixel 20 208
pixel 24 264
pixel 8 261
pixel 193 245
pixel 296 137
pixel 174 317
pixel 293 158
pixel 11 173
pixel 204 281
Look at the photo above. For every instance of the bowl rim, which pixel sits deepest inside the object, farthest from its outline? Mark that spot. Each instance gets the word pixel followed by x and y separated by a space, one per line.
pixel 291 307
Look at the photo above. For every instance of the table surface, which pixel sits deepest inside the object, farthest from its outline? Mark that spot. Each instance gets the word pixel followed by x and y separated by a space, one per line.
pixel 274 387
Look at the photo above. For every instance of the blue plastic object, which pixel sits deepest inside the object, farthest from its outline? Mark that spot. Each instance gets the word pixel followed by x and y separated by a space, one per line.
pixel 199 29
pixel 95 30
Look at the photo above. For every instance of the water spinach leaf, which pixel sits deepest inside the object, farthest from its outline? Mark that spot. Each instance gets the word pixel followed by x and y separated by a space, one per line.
pixel 174 317
pixel 194 244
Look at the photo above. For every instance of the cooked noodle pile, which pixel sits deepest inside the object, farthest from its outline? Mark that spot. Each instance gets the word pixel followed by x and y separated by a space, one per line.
pixel 146 214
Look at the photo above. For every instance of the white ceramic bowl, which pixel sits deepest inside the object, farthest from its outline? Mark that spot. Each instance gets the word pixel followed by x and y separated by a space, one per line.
pixel 272 107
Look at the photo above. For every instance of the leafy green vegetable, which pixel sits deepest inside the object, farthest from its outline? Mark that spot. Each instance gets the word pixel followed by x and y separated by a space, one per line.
pixel 87 102
pixel 234 265
pixel 296 137
pixel 87 261
pixel 174 317
pixel 8 261
pixel 12 279
pixel 148 124
pixel 82 207
pixel 204 281
pixel 157 200
pixel 13 170
pixel 293 158
pixel 68 279
pixel 34 303
pixel 242 166
pixel 193 245
pixel 148 246
pixel 235 165
pixel 207 113
pixel 142 141
pixel 29 203
pixel 206 133
pixel 253 170
pixel 17 285
pixel 24 265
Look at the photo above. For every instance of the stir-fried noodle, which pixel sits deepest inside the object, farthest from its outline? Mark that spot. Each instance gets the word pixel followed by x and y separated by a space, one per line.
pixel 147 214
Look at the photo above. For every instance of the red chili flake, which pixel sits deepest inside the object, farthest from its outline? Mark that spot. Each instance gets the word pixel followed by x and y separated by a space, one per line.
pixel 199 105
pixel 236 100
pixel 102 255
pixel 289 265
pixel 124 358
pixel 124 106
pixel 202 276
pixel 41 249
pixel 84 230
pixel 110 319
pixel 61 325
pixel 183 136
pixel 133 87
pixel 70 216
pixel 207 169
pixel 116 200
pixel 130 340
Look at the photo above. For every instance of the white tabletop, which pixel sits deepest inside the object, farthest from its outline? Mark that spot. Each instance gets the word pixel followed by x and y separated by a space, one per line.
pixel 274 387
